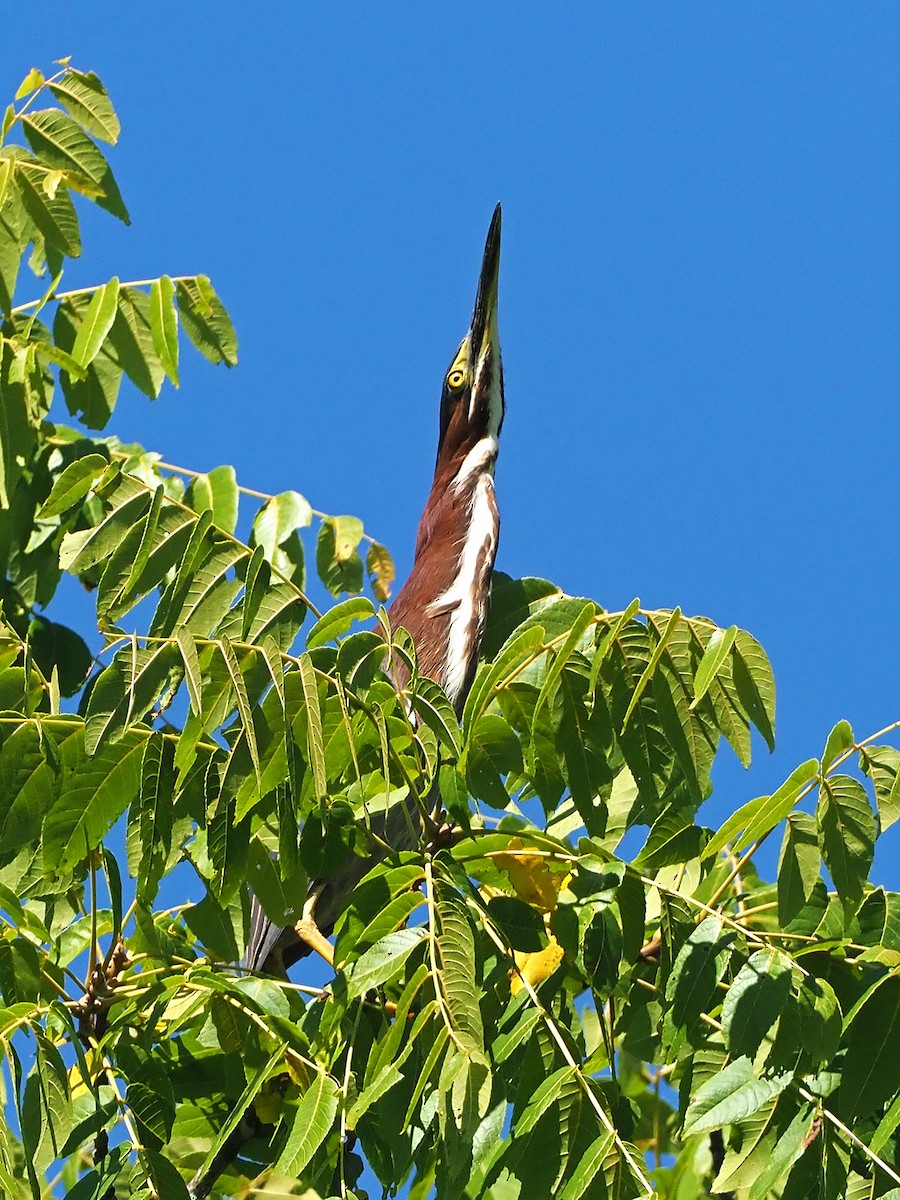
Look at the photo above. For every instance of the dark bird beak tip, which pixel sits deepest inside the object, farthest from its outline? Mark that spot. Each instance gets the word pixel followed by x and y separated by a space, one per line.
pixel 486 298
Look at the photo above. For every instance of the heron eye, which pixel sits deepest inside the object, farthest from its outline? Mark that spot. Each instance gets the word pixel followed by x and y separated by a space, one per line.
pixel 456 378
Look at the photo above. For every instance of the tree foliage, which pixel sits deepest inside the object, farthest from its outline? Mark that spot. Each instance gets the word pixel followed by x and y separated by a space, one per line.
pixel 519 1007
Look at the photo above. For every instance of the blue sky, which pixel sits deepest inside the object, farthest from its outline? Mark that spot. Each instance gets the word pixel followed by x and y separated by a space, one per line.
pixel 700 287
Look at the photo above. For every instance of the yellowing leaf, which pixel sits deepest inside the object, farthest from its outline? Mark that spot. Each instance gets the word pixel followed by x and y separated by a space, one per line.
pixel 537 967
pixel 32 81
pixel 531 877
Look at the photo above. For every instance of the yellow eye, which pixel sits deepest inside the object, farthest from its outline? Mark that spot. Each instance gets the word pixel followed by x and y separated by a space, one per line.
pixel 456 378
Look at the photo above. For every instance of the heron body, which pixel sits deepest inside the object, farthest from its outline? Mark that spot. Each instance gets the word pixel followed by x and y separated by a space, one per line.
pixel 443 604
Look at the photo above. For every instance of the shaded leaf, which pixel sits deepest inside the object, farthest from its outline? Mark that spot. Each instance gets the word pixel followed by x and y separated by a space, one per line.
pixel 798 865
pixel 754 1001
pixel 872 1066
pixel 206 321
pixel 714 657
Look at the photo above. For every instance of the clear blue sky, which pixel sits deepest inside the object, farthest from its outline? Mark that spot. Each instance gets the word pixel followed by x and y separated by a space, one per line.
pixel 700 289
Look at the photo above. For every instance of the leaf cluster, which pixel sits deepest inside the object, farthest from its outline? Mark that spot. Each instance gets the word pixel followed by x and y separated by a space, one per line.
pixel 555 981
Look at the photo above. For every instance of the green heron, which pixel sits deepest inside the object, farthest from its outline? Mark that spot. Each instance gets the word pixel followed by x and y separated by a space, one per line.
pixel 443 604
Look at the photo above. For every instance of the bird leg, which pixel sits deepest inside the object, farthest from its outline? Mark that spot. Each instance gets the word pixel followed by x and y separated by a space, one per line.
pixel 308 931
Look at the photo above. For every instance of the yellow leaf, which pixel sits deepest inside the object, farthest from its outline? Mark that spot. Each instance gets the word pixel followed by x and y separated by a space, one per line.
pixel 32 81
pixel 536 967
pixel 531 877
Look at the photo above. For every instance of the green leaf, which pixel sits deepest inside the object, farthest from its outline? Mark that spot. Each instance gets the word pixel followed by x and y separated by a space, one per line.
pixel 47 1090
pixel 655 659
pixel 755 684
pixel 94 396
pixel 205 320
pixel 72 485
pixel 673 838
pixel 151 815
pixel 521 647
pixel 97 322
pixel 312 1121
pixel 755 1000
pixel 882 764
pixel 88 547
pixel 254 1085
pixel 132 340
pixel 337 621
pixel 58 649
pixel 92 799
pixel 714 658
pixel 277 520
pixel 798 865
pixel 59 142
pixel 730 1096
pixel 54 216
pixel 85 98
pixel 217 491
pixel 846 833
pixel 28 787
pixel 16 432
pixel 759 817
pixel 201 592
pixel 243 701
pixel 588 1169
pixel 872 1065
pixel 820 1020
pixel 549 687
pixel 129 687
pixel 164 325
pixel 879 922
pixel 382 962
pixel 785 1153
pixel 456 950
pixel 337 561
pixel 520 925
pixel 492 752
pixel 384 889
pixel 218 926
pixel 700 964
pixel 839 740
pixel 314 739
pixel 430 703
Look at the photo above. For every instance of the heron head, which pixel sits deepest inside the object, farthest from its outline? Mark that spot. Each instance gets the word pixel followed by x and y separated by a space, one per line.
pixel 472 399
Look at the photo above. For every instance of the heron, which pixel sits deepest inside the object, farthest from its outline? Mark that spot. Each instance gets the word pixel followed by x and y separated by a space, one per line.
pixel 443 604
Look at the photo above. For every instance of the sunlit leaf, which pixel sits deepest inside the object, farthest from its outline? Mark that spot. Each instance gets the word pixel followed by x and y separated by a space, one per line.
pixel 758 817
pixel 847 833
pixel 72 485
pixel 312 1120
pixel 731 1096
pixel 96 324
pixel 164 325
pixel 85 97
